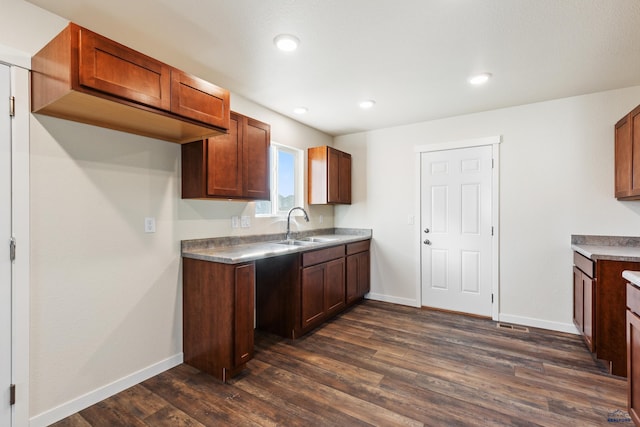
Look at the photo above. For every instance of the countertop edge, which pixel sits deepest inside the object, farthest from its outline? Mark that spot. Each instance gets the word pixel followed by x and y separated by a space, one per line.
pixel 269 250
pixel 608 253
pixel 632 276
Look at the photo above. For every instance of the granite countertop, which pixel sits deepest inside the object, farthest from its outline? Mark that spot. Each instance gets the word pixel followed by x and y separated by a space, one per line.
pixel 250 248
pixel 613 248
pixel 632 276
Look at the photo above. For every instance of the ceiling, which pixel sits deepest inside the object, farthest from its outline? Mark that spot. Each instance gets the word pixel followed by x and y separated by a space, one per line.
pixel 413 57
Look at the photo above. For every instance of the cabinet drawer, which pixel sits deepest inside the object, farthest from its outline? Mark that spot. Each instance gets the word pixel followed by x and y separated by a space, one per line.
pixel 633 298
pixel 354 248
pixel 584 264
pixel 322 255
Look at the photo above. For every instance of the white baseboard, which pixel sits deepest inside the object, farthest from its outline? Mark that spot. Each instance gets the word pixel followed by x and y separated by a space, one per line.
pixel 507 318
pixel 539 323
pixel 71 407
pixel 392 299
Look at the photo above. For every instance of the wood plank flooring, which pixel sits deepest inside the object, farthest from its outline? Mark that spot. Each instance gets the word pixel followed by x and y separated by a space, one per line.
pixel 385 365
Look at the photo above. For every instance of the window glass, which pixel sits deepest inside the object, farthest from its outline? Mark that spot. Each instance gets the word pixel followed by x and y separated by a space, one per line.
pixel 286 181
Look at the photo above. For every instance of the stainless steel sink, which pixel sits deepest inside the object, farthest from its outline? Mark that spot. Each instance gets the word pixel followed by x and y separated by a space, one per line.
pixel 296 242
pixel 319 239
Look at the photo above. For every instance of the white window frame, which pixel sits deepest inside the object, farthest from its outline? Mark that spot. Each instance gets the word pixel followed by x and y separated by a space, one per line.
pixel 298 185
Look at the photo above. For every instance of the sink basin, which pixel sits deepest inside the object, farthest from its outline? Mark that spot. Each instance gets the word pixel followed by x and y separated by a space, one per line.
pixel 319 239
pixel 296 242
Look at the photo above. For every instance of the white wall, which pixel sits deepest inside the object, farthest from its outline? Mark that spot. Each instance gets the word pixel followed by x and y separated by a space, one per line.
pixel 556 179
pixel 105 296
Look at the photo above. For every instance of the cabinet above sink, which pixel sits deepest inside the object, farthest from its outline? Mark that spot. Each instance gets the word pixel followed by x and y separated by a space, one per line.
pixel 85 77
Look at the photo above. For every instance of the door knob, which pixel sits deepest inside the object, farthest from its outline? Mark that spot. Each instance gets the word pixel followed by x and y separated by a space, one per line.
pixel 426 230
pixel 427 241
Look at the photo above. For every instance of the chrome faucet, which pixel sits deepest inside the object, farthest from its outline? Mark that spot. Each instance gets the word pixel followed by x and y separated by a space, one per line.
pixel 306 218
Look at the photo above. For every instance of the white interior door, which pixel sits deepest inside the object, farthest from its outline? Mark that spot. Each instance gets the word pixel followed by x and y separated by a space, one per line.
pixel 456 255
pixel 5 236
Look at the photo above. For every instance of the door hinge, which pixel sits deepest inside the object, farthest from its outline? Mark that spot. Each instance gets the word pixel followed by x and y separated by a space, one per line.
pixel 492 163
pixel 491 298
pixel 12 394
pixel 492 230
pixel 12 249
pixel 12 106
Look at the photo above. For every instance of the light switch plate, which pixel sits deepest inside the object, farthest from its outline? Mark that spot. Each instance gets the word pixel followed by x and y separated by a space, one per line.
pixel 149 225
pixel 235 221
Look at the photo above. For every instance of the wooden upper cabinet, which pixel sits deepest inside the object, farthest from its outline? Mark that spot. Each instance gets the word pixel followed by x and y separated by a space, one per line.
pixel 329 176
pixel 256 143
pixel 627 156
pixel 198 99
pixel 234 165
pixel 114 69
pixel 224 159
pixel 88 78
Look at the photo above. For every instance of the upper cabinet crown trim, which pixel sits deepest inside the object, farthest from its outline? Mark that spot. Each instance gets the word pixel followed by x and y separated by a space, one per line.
pixel 85 77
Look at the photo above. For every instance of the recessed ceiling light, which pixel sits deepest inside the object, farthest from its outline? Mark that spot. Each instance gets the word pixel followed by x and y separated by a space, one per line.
pixel 301 110
pixel 286 42
pixel 480 79
pixel 367 104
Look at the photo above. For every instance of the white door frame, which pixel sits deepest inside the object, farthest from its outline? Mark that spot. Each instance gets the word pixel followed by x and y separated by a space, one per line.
pixel 20 88
pixel 494 142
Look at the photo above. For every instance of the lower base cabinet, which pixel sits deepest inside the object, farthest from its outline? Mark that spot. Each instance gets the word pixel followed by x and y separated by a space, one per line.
pixel 297 293
pixel 218 307
pixel 358 271
pixel 322 292
pixel 599 308
pixel 633 352
pixel 290 295
pixel 583 304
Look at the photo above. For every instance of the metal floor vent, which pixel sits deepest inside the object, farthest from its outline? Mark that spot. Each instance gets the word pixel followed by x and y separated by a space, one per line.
pixel 513 327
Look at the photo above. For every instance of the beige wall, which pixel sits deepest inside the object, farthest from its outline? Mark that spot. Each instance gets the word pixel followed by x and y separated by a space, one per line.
pixel 556 179
pixel 105 296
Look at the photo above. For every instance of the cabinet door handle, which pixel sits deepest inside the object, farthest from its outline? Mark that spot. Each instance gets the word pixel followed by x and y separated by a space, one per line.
pixel 427 241
pixel 426 230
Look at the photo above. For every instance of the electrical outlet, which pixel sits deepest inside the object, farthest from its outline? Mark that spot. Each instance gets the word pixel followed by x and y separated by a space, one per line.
pixel 320 219
pixel 149 225
pixel 235 221
pixel 245 221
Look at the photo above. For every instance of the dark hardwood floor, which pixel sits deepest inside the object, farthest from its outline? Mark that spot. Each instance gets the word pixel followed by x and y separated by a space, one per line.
pixel 387 365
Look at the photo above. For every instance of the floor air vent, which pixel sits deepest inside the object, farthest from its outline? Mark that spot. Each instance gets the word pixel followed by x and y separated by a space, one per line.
pixel 513 327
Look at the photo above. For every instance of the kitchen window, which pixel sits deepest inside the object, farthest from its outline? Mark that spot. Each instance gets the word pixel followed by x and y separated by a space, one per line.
pixel 286 181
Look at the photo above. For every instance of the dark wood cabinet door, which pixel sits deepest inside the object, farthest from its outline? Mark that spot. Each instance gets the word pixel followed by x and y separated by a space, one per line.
pixel 334 286
pixel 635 151
pixel 344 178
pixel 243 313
pixel 589 311
pixel 357 276
pixel 633 366
pixel 333 176
pixel 114 69
pixel 627 156
pixel 364 273
pixel 312 295
pixel 610 307
pixel 623 157
pixel 578 299
pixel 352 278
pixel 224 161
pixel 199 99
pixel 257 140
